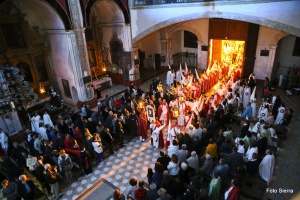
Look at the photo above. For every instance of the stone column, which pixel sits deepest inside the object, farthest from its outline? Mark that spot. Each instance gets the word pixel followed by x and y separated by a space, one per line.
pixel 164 50
pixel 271 60
pixel 127 37
pixel 82 67
pixel 169 52
pixel 199 52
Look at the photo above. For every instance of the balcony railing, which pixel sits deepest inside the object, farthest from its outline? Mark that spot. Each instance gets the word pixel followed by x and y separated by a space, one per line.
pixel 160 2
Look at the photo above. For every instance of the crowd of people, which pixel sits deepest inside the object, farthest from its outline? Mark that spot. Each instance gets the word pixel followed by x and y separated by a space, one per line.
pixel 191 121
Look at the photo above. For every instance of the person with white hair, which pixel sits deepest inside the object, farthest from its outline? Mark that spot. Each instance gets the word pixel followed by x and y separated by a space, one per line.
pixel 208 165
pixel 193 161
pixel 266 167
pixel 25 188
pixel 50 176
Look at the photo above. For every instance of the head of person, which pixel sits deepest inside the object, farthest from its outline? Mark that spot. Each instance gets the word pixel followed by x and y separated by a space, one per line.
pixel 62 152
pixel 117 194
pixel 152 186
pixel 23 178
pixel 174 158
pixel 133 182
pixel 141 183
pixel 162 152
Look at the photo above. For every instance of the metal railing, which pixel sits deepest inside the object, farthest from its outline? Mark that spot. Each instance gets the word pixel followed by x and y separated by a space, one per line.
pixel 161 2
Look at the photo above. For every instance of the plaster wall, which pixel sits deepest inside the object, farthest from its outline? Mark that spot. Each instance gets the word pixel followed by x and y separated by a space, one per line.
pixel 150 44
pixel 282 15
pixel 267 40
pixel 176 42
pixel 61 58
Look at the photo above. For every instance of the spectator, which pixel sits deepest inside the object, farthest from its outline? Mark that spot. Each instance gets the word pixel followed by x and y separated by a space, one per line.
pixel 211 149
pixel 233 191
pixel 118 195
pixel 152 193
pixel 163 195
pixel 164 159
pixel 173 166
pixel 131 188
pixel 193 161
pixel 222 170
pixel 9 190
pixel 50 176
pixel 26 188
pixel 215 187
pixel 98 147
pixel 252 165
pixel 208 165
pixel 141 191
pixel 65 165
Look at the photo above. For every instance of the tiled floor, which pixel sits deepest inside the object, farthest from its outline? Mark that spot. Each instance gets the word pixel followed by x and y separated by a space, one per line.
pixel 134 159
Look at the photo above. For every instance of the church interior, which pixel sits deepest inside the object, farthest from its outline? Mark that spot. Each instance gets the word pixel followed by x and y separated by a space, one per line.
pixel 58 55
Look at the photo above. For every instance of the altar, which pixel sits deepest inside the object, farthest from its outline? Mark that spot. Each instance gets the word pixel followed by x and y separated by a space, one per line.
pixel 102 83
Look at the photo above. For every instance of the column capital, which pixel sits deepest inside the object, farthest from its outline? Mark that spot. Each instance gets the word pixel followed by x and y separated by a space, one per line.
pixel 273 46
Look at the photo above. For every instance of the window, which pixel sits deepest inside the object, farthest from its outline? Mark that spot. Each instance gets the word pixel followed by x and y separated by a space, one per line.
pixel 190 40
pixel 296 51
pixel 13 35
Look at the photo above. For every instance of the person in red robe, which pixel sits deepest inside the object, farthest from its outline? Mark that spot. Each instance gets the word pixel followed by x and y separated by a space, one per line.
pixel 233 192
pixel 143 126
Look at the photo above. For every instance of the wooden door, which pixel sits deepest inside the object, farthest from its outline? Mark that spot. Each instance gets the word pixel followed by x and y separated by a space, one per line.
pixel 157 61
pixel 251 44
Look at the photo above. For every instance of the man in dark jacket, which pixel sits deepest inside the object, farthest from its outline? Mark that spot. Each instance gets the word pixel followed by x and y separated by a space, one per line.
pixel 108 138
pixel 119 130
pixel 235 159
pixel 164 159
pixel 252 165
pixel 26 188
pixel 51 178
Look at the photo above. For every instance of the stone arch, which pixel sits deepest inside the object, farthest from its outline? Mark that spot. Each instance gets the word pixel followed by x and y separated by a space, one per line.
pixel 185 28
pixel 226 15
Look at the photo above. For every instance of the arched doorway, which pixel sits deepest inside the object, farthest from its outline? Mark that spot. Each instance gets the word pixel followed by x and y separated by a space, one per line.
pixel 286 63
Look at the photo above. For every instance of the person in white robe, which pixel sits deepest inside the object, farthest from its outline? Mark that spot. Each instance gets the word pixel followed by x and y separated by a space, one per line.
pixel 246 96
pixel 173 134
pixel 173 103
pixel 170 78
pixel 35 122
pixel 43 133
pixel 3 140
pixel 181 109
pixel 264 113
pixel 163 117
pixel 178 75
pixel 250 152
pixel 47 119
pixel 280 115
pixel 155 134
pixel 266 167
pixel 241 92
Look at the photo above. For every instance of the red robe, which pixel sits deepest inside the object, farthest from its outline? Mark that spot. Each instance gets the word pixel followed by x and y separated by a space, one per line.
pixel 234 194
pixel 143 126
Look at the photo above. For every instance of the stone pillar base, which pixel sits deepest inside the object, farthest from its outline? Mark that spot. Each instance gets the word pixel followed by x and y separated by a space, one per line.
pixel 92 103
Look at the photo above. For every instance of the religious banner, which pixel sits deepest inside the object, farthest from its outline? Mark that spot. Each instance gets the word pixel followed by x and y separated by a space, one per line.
pixel 150 113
